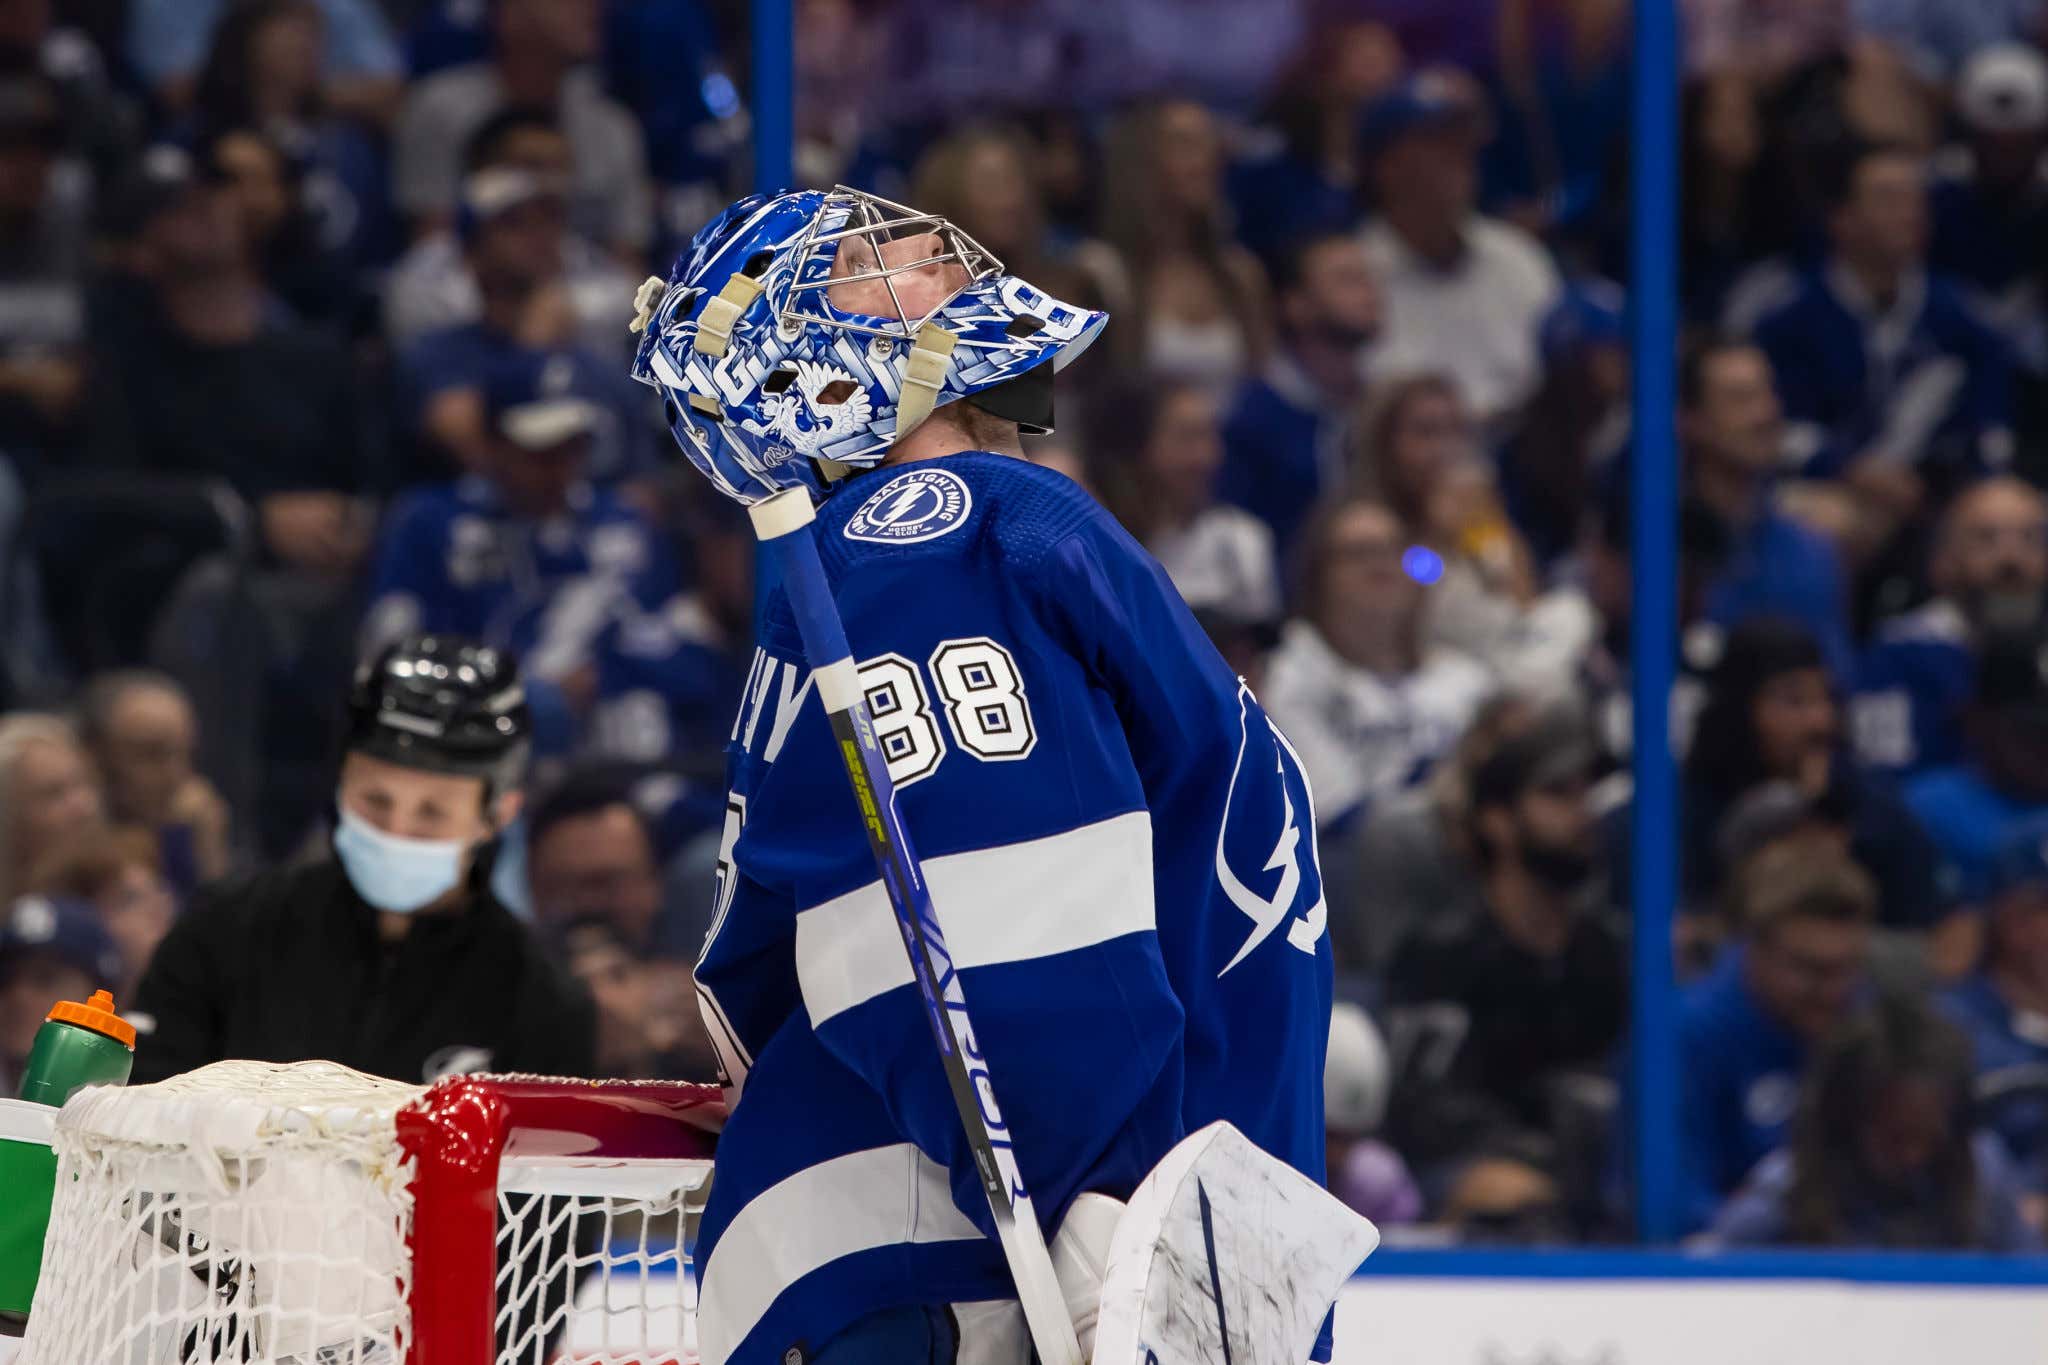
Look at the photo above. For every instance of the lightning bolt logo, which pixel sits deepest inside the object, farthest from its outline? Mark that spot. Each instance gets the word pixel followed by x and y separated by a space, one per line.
pixel 1267 912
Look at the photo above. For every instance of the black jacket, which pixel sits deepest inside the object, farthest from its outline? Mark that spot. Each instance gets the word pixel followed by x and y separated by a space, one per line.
pixel 287 966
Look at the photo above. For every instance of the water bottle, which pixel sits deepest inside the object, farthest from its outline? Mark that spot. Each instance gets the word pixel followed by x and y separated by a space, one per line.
pixel 78 1045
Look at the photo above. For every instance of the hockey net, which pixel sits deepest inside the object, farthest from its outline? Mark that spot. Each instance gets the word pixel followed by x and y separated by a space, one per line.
pixel 257 1214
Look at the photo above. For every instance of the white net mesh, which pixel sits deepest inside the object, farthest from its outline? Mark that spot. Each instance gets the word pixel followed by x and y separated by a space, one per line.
pixel 250 1214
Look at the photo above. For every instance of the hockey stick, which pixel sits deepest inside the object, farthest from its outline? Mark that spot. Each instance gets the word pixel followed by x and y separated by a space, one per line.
pixel 783 524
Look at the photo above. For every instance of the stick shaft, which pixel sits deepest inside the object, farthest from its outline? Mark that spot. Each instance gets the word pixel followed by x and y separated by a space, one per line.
pixel 783 523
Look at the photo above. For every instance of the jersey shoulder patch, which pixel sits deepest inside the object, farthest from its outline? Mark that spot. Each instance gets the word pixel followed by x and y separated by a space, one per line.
pixel 916 505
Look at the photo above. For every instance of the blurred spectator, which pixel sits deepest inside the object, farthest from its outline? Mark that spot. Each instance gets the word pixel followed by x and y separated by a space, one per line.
pixel 591 853
pixel 352 49
pixel 1573 431
pixel 265 188
pixel 1303 176
pixel 1732 437
pixel 48 794
pixel 1725 216
pixel 1772 715
pixel 1746 1031
pixel 120 874
pixel 664 60
pixel 216 386
pixel 1418 450
pixel 1284 435
pixel 262 75
pixel 1939 37
pixel 1998 790
pixel 1364 1172
pixel 2003 1006
pixel 1194 303
pixel 436 284
pixel 143 735
pixel 1561 89
pixel 1885 1152
pixel 1410 865
pixel 1888 378
pixel 42 269
pixel 841 57
pixel 669 680
pixel 524 553
pixel 1158 447
pixel 539 60
pixel 1534 986
pixel 1765 37
pixel 1370 708
pixel 513 241
pixel 1464 293
pixel 975 58
pixel 100 122
pixel 1989 199
pixel 985 181
pixel 50 950
pixel 1988 567
pixel 1246 640
pixel 1504 1198
pixel 643 1030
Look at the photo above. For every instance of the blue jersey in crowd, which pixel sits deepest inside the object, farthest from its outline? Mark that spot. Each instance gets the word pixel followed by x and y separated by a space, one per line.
pixel 1970 821
pixel 1282 449
pixel 1122 851
pixel 1912 685
pixel 466 357
pixel 1739 1073
pixel 557 591
pixel 1777 567
pixel 2012 1073
pixel 1925 378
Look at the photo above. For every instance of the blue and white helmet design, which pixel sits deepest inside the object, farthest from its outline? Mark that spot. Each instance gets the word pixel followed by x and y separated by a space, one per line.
pixel 770 385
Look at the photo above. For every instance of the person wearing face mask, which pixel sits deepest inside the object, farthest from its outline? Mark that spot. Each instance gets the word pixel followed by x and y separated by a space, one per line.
pixel 1537 980
pixel 397 956
pixel 1989 570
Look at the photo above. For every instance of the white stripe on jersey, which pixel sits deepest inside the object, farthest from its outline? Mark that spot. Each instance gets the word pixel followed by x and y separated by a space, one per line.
pixel 1011 903
pixel 885 1196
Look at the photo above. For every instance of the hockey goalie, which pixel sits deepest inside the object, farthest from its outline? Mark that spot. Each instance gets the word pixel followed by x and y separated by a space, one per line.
pixel 1119 847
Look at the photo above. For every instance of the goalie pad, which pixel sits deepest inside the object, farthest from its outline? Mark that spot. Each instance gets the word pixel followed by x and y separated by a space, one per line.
pixel 1225 1256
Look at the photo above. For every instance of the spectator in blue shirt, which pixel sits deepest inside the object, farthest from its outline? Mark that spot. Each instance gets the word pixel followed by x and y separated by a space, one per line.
pixel 1746 1030
pixel 525 553
pixel 2003 1006
pixel 1887 375
pixel 1885 1151
pixel 513 229
pixel 1999 790
pixel 1284 436
pixel 1989 571
pixel 1990 193
pixel 1733 436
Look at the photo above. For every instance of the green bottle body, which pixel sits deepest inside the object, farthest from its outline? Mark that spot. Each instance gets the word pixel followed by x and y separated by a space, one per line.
pixel 66 1058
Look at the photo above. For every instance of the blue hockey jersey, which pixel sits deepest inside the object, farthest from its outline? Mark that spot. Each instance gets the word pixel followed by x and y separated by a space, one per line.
pixel 1925 380
pixel 1121 849
pixel 1912 685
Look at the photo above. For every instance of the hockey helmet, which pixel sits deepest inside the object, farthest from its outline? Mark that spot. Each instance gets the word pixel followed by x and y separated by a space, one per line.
pixel 445 704
pixel 786 352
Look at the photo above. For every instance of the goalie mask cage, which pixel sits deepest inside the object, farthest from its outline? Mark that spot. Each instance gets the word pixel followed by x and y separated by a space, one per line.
pixel 257 1214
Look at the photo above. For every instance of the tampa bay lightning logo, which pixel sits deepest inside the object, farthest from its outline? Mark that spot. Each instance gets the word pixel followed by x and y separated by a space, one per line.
pixel 1269 816
pixel 922 504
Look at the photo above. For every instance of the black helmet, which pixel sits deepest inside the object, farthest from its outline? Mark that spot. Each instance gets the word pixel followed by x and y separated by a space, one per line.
pixel 444 703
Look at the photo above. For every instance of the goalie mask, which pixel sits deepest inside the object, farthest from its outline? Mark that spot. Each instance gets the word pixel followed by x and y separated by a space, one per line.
pixel 802 334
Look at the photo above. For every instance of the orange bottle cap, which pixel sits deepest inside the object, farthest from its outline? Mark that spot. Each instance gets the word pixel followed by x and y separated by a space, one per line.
pixel 96 1014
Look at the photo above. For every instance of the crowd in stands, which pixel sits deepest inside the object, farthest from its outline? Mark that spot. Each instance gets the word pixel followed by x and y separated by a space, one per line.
pixel 313 333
